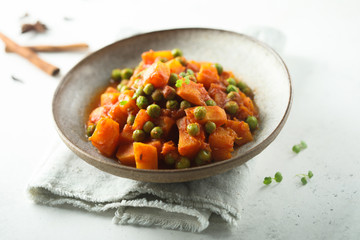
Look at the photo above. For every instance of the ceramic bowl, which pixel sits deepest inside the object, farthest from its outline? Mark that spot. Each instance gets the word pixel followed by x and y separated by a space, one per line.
pixel 259 66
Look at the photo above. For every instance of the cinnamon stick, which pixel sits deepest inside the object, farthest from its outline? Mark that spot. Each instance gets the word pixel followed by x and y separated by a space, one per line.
pixel 30 55
pixel 55 48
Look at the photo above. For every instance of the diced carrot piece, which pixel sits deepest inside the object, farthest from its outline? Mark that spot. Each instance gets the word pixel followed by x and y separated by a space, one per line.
pixel 150 56
pixel 109 98
pixel 145 156
pixel 141 118
pixel 125 154
pixel 222 138
pixel 242 130
pixel 216 92
pixel 188 145
pixel 175 66
pixel 126 134
pixel 193 92
pixel 98 113
pixel 168 147
pixel 106 136
pixel 207 75
pixel 111 90
pixel 157 74
pixel 193 65
pixel 213 113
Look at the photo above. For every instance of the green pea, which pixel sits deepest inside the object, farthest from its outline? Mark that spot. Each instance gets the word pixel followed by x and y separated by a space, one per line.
pixel 148 89
pixel 138 92
pixel 126 73
pixel 248 92
pixel 231 88
pixel 125 82
pixel 231 95
pixel 157 95
pixel 139 135
pixel 176 52
pixel 142 102
pixel 184 162
pixel 189 72
pixel 252 121
pixel 172 104
pixel 90 130
pixel 231 107
pixel 148 126
pixel 116 74
pixel 200 113
pixel 182 74
pixel 241 85
pixel 156 133
pixel 231 81
pixel 189 78
pixel 171 94
pixel 124 88
pixel 130 119
pixel 185 104
pixel 181 60
pixel 163 59
pixel 219 68
pixel 173 78
pixel 210 127
pixel 119 87
pixel 169 159
pixel 193 129
pixel 210 103
pixel 202 157
pixel 153 110
pixel 192 78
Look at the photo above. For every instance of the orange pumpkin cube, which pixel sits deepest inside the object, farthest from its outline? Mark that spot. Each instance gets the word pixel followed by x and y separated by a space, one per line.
pixel 193 92
pixel 207 75
pixel 189 146
pixel 106 136
pixel 98 113
pixel 213 113
pixel 242 130
pixel 141 118
pixel 125 154
pixel 150 56
pixel 157 74
pixel 175 66
pixel 146 156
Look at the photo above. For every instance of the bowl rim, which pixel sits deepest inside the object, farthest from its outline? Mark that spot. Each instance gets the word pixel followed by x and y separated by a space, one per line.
pixel 249 154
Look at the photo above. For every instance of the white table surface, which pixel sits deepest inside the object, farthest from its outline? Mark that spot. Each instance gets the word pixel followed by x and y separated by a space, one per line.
pixel 322 52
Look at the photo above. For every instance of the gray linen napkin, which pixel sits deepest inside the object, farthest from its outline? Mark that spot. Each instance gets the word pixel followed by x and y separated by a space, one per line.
pixel 66 179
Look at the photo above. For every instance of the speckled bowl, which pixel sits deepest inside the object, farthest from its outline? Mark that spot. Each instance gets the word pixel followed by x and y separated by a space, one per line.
pixel 255 62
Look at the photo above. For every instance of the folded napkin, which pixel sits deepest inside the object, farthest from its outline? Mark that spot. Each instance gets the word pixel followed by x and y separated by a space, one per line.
pixel 66 179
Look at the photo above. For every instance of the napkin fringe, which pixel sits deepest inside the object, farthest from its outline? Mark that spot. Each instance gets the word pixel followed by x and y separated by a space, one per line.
pixel 51 196
pixel 227 212
pixel 166 220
